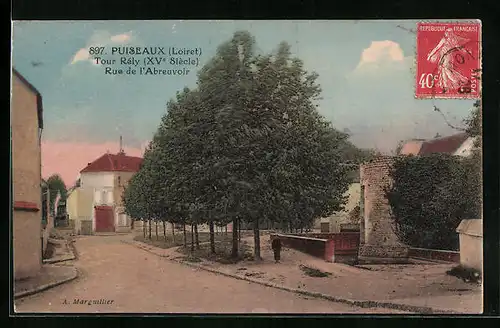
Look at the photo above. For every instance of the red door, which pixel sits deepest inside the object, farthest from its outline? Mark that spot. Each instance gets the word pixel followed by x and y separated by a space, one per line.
pixel 104 219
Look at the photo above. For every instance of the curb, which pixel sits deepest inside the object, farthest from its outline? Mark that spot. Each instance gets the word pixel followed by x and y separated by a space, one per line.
pixel 358 303
pixel 46 286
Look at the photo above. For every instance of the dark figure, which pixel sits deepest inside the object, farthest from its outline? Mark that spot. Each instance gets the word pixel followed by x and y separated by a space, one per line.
pixel 276 246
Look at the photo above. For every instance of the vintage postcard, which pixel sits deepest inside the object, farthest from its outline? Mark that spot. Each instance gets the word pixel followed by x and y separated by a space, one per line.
pixel 323 167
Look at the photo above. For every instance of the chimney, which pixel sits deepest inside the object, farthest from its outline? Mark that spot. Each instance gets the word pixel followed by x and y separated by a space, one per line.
pixel 122 152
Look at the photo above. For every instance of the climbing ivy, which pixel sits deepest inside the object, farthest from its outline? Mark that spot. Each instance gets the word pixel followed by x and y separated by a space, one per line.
pixel 430 195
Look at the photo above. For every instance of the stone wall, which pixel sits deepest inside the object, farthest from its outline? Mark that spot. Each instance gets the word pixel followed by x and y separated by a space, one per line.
pixel 434 254
pixel 379 239
pixel 312 246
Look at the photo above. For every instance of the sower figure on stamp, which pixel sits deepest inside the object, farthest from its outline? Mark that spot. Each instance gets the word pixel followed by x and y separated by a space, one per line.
pixel 276 246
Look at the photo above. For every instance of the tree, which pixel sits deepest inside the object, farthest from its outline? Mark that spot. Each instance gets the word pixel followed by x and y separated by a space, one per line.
pixel 473 122
pixel 56 185
pixel 278 155
pixel 246 145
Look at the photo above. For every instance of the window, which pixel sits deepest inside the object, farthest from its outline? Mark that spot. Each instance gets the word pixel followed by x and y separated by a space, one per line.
pixel 104 197
pixel 119 181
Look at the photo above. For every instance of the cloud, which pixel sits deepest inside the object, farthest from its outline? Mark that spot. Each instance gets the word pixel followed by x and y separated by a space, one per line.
pixel 100 38
pixel 80 55
pixel 121 38
pixel 381 57
pixel 381 50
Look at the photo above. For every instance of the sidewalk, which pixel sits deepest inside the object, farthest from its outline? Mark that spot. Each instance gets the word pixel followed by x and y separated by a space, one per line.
pixel 424 285
pixel 49 276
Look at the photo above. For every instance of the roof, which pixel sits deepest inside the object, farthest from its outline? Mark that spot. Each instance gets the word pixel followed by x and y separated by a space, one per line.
pixel 114 163
pixel 448 145
pixel 39 103
pixel 411 147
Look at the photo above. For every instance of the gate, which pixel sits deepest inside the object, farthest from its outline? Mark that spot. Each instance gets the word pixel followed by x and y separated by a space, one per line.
pixel 104 219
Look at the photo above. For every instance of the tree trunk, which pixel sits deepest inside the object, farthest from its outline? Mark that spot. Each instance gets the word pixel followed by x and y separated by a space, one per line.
pixel 144 228
pixel 212 237
pixel 192 238
pixel 149 229
pixel 156 230
pixel 196 236
pixel 239 231
pixel 234 251
pixel 256 240
pixel 301 230
pixel 225 232
pixel 165 230
pixel 173 233
pixel 185 235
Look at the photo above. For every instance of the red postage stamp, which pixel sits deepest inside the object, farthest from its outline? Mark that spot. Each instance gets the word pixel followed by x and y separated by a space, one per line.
pixel 448 60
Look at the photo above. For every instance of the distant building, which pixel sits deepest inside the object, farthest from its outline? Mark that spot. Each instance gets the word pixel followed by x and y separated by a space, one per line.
pixel 96 204
pixel 460 144
pixel 26 130
pixel 342 217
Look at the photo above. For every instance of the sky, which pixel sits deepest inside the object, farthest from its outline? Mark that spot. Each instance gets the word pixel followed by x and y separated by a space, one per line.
pixel 366 72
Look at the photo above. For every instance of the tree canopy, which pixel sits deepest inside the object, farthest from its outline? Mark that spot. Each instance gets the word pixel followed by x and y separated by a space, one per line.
pixel 246 145
pixel 55 184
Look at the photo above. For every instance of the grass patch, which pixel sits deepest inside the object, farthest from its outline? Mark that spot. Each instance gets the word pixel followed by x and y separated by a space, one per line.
pixel 312 272
pixel 466 274
pixel 169 242
pixel 222 252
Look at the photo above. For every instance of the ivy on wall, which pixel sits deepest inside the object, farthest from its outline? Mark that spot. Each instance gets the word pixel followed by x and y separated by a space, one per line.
pixel 430 195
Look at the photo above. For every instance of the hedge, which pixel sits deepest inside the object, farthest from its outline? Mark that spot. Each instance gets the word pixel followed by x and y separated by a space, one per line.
pixel 430 195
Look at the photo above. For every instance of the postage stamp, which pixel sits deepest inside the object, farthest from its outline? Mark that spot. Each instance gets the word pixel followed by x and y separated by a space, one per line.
pixel 448 60
pixel 288 157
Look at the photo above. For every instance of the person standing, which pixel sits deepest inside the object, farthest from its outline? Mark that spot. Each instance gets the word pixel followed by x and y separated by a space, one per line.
pixel 276 246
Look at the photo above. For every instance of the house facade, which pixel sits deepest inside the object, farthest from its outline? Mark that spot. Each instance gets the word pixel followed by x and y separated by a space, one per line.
pixel 96 204
pixel 342 217
pixel 26 177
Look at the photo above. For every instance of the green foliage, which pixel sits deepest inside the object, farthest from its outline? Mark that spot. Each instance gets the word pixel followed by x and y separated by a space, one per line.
pixel 429 197
pixel 55 184
pixel 246 144
pixel 473 122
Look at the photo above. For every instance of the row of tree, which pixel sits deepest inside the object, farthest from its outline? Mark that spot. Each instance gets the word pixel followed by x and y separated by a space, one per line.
pixel 247 145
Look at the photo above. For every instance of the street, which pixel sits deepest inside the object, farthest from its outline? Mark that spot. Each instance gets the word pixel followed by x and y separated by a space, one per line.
pixel 118 278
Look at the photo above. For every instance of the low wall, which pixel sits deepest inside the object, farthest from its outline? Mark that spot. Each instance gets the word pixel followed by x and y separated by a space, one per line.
pixel 434 254
pixel 311 246
pixel 333 247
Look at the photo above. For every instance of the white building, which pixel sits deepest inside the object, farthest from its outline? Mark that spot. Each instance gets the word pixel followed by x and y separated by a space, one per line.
pixel 96 204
